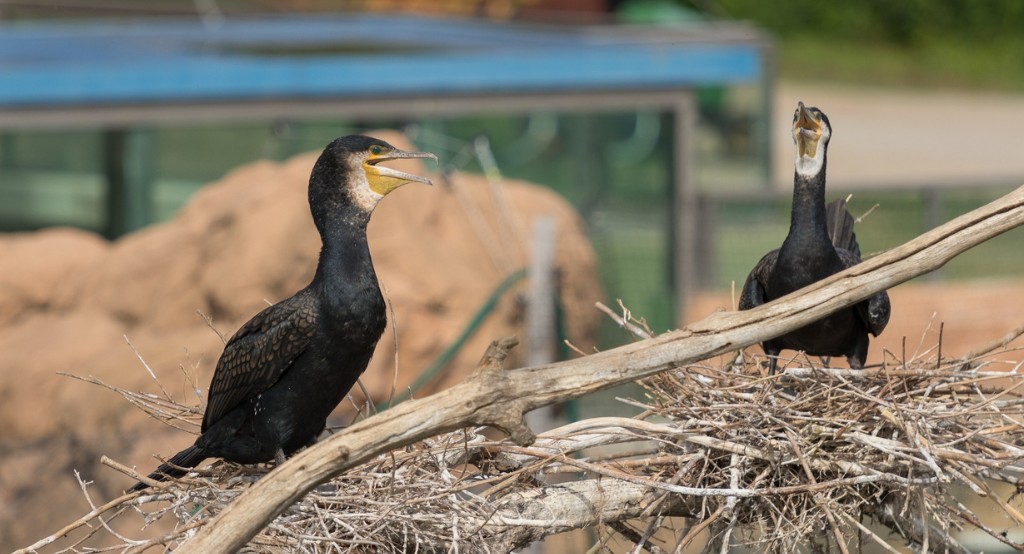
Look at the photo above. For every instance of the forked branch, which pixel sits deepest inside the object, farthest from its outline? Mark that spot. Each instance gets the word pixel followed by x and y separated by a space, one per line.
pixel 493 396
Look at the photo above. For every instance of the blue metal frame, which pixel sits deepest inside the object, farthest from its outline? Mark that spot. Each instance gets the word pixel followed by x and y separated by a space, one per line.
pixel 156 61
pixel 130 74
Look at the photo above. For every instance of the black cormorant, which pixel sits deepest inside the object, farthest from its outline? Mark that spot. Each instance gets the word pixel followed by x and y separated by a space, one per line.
pixel 820 243
pixel 287 368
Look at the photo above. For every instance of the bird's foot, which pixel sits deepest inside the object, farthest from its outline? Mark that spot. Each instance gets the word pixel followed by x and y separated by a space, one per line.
pixel 279 457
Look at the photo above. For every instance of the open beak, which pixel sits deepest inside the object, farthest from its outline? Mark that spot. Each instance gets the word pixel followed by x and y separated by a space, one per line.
pixel 806 131
pixel 385 179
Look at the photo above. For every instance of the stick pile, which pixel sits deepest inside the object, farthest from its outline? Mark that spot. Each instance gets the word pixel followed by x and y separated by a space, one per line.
pixel 823 449
pixel 831 457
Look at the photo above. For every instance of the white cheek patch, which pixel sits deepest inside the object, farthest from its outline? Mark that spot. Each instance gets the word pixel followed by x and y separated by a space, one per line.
pixel 362 195
pixel 807 166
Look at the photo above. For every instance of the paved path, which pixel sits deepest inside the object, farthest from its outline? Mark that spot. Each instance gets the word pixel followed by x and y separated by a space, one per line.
pixel 885 136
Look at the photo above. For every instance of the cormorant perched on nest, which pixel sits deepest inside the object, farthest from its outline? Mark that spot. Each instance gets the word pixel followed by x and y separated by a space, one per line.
pixel 820 243
pixel 287 368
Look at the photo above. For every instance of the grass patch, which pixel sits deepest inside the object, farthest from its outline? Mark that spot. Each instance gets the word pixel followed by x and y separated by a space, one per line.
pixel 996 65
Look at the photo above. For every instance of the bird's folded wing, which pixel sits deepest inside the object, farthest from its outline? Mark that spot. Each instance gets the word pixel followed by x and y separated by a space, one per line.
pixel 840 227
pixel 753 294
pixel 259 354
pixel 874 311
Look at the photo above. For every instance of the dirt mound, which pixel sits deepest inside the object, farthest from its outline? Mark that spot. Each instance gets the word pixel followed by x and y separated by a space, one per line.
pixel 68 298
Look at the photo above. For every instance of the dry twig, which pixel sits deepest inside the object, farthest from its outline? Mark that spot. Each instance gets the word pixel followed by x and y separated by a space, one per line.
pixel 870 442
pixel 727 448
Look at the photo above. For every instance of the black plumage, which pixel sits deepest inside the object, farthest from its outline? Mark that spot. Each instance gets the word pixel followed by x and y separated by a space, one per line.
pixel 288 367
pixel 820 243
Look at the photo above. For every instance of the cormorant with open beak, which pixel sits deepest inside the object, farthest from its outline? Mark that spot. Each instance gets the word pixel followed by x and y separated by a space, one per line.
pixel 820 243
pixel 288 367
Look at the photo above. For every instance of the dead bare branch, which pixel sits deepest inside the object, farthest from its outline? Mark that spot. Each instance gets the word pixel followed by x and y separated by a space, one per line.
pixel 500 398
pixel 721 445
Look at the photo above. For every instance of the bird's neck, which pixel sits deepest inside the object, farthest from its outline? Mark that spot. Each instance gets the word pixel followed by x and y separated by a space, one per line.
pixel 807 220
pixel 345 267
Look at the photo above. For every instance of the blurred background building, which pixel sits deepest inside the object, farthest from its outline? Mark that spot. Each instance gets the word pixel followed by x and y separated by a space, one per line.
pixel 112 121
pixel 665 123
pixel 113 113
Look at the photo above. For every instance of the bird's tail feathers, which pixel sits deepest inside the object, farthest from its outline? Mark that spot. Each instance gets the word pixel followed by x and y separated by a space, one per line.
pixel 190 457
pixel 840 226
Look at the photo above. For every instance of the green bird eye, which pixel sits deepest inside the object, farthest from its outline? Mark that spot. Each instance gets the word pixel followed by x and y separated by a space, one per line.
pixel 376 149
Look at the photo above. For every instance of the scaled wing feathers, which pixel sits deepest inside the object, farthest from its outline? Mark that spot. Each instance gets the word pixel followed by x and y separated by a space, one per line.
pixel 259 353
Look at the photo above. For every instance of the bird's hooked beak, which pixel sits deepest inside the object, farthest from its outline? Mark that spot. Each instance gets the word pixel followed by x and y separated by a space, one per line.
pixel 385 179
pixel 806 132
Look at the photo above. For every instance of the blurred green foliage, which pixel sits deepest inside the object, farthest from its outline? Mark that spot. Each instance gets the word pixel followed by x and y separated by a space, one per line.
pixel 903 22
pixel 950 43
